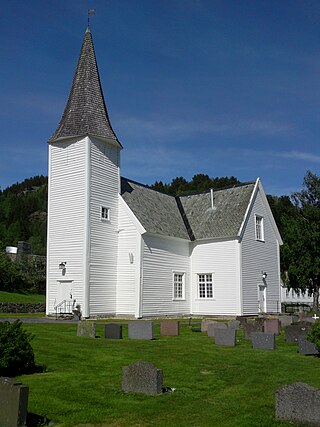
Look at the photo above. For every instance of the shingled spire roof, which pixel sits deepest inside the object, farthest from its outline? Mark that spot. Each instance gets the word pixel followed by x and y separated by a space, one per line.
pixel 85 112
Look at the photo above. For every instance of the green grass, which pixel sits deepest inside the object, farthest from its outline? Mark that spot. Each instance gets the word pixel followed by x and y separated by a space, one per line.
pixel 215 385
pixel 21 298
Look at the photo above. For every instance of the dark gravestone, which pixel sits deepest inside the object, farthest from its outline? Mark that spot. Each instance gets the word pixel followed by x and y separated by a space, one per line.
pixel 293 332
pixel 140 330
pixel 225 337
pixel 142 377
pixel 169 328
pixel 213 326
pixel 298 403
pixel 234 324
pixel 271 326
pixel 307 347
pixel 113 331
pixel 86 329
pixel 242 320
pixel 251 327
pixel 263 341
pixel 13 403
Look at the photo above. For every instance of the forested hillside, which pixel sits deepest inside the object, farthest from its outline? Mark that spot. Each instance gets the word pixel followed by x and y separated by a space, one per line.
pixel 23 214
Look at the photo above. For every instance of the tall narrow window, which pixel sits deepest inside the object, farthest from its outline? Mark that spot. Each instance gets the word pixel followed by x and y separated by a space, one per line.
pixel 105 213
pixel 205 285
pixel 178 286
pixel 259 228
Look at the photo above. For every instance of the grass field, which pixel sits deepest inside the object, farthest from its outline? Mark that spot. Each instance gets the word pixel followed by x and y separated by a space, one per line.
pixel 215 386
pixel 21 298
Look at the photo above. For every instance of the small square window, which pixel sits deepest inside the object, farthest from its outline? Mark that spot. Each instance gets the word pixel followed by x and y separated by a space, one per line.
pixel 259 228
pixel 105 213
pixel 178 286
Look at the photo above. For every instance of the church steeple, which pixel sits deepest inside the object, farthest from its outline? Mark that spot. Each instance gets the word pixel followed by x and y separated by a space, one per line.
pixel 85 112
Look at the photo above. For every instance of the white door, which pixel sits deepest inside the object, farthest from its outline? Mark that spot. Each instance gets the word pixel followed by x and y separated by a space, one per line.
pixel 64 292
pixel 262 298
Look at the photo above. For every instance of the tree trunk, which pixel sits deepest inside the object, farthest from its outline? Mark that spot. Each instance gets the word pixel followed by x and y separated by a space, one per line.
pixel 315 305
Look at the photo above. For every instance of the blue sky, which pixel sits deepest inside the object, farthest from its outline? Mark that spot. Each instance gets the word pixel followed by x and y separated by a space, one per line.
pixel 222 87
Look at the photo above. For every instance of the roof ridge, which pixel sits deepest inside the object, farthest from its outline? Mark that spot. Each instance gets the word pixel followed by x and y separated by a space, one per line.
pixel 147 186
pixel 240 184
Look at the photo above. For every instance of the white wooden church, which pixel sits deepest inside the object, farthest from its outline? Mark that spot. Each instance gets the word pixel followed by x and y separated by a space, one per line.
pixel 119 248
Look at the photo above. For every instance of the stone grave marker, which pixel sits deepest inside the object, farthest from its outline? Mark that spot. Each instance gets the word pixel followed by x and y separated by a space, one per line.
pixel 213 326
pixel 307 347
pixel 140 330
pixel 86 329
pixel 293 332
pixel 205 323
pixel 142 377
pixel 113 331
pixel 271 326
pixel 285 320
pixel 298 403
pixel 14 403
pixel 234 324
pixel 251 327
pixel 263 341
pixel 242 320
pixel 170 328
pixel 225 337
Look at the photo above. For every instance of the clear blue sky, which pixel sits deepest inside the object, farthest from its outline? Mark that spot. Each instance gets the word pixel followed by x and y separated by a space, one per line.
pixel 222 87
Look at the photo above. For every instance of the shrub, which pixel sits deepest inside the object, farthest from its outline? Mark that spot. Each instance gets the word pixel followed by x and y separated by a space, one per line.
pixel 16 353
pixel 314 334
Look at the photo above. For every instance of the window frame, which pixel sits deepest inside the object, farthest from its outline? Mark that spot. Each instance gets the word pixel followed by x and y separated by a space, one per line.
pixel 103 217
pixel 259 227
pixel 207 288
pixel 175 283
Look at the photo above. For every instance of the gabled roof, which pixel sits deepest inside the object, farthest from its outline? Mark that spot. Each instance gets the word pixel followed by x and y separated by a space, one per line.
pixel 189 217
pixel 85 112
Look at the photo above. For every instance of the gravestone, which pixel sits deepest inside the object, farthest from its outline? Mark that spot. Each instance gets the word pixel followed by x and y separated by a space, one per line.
pixel 113 331
pixel 263 341
pixel 242 320
pixel 225 337
pixel 213 326
pixel 205 323
pixel 307 347
pixel 169 328
pixel 13 403
pixel 298 403
pixel 142 377
pixel 251 327
pixel 86 329
pixel 140 330
pixel 285 320
pixel 271 326
pixel 234 324
pixel 293 332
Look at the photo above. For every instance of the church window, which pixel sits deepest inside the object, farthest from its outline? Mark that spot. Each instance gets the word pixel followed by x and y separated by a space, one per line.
pixel 205 285
pixel 178 286
pixel 105 213
pixel 259 228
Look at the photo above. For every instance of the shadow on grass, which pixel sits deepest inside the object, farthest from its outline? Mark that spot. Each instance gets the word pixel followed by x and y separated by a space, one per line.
pixel 34 420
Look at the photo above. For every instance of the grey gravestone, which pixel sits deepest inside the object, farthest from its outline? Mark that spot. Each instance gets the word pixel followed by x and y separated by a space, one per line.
pixel 225 337
pixel 169 328
pixel 271 326
pixel 142 377
pixel 285 320
pixel 205 323
pixel 251 327
pixel 298 403
pixel 307 347
pixel 86 329
pixel 140 330
pixel 234 324
pixel 213 326
pixel 14 403
pixel 113 331
pixel 263 341
pixel 293 332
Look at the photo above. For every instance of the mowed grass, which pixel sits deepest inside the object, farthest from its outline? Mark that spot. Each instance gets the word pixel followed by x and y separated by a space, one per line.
pixel 21 298
pixel 215 385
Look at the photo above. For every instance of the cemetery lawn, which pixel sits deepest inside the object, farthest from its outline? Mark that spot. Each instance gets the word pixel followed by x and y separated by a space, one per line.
pixel 215 385
pixel 22 298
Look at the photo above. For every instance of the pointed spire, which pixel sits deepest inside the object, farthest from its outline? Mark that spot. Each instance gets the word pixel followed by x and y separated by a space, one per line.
pixel 85 112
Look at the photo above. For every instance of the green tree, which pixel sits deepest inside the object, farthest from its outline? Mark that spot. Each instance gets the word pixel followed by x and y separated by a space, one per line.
pixel 301 249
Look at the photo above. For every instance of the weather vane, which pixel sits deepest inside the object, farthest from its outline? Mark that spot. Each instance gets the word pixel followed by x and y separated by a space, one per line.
pixel 90 12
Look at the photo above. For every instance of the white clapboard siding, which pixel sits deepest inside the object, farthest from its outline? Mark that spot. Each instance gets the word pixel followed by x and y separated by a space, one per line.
pixel 66 213
pixel 259 257
pixel 221 258
pixel 104 190
pixel 128 265
pixel 163 257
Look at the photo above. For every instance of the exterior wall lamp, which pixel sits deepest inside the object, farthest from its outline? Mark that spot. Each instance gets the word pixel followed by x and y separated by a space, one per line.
pixel 264 275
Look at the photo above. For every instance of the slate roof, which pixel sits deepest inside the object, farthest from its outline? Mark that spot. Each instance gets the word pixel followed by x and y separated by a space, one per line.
pixel 189 217
pixel 85 112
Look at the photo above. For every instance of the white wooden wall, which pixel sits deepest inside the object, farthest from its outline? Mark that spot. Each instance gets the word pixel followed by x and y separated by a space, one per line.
pixel 221 258
pixel 258 257
pixel 162 257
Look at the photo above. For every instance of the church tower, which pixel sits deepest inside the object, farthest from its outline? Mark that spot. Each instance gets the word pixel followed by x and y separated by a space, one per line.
pixel 84 180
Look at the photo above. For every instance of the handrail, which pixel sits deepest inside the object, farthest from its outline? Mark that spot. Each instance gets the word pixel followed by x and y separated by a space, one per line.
pixel 64 306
